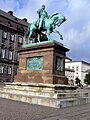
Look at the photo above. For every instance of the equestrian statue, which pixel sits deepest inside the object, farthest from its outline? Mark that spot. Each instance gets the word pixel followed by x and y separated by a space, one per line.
pixel 45 23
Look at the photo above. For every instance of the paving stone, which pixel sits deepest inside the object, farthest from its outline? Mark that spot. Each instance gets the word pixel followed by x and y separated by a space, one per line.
pixel 15 110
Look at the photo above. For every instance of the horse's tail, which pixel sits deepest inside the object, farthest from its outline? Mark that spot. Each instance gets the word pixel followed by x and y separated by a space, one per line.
pixel 27 32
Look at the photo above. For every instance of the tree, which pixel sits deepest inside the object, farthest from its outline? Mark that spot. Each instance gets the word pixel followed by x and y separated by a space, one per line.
pixel 87 79
pixel 78 81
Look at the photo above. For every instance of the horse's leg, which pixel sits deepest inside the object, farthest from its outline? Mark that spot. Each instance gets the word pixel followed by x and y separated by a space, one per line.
pixel 55 31
pixel 31 31
pixel 31 28
pixel 29 36
pixel 38 38
pixel 48 32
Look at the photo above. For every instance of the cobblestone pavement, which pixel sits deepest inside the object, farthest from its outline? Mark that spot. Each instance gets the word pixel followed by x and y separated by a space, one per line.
pixel 15 110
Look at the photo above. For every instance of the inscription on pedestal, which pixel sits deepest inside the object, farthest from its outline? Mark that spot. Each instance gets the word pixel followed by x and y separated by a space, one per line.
pixel 34 63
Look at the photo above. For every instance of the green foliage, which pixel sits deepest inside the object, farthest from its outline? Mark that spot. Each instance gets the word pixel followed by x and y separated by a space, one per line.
pixel 77 81
pixel 87 79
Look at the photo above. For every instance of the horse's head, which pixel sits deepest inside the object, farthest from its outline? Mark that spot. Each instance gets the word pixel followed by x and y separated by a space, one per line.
pixel 61 19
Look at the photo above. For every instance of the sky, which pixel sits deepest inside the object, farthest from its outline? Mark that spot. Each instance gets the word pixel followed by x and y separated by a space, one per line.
pixel 76 29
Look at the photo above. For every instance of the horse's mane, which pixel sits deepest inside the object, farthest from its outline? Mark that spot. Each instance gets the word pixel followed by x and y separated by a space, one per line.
pixel 54 14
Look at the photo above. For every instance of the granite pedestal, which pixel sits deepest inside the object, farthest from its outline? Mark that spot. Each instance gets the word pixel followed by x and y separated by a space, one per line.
pixel 42 63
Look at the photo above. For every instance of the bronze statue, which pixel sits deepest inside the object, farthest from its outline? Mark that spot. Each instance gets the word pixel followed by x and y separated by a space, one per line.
pixel 45 23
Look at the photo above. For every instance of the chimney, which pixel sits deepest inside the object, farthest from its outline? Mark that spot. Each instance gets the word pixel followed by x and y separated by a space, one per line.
pixel 10 13
pixel 24 19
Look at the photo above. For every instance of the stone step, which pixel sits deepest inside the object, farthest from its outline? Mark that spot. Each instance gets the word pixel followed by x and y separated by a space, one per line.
pixel 38 86
pixel 41 93
pixel 51 102
pixel 48 95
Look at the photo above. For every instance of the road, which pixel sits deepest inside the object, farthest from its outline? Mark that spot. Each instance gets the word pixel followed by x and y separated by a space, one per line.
pixel 15 110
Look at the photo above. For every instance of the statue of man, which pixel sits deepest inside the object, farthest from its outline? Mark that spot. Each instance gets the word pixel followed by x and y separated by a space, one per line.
pixel 42 15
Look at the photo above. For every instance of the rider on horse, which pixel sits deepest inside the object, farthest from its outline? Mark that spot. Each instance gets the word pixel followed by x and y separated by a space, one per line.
pixel 45 23
pixel 42 15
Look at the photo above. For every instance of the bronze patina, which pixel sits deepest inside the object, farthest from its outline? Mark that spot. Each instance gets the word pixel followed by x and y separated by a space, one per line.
pixel 45 23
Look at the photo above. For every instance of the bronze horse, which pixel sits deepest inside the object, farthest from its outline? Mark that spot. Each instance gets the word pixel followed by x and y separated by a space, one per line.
pixel 49 25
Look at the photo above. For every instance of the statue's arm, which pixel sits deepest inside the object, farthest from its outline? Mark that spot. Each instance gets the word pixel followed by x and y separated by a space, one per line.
pixel 38 11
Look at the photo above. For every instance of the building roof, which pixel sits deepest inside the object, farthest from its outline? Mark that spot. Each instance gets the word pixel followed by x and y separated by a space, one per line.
pixel 84 62
pixel 68 58
pixel 9 15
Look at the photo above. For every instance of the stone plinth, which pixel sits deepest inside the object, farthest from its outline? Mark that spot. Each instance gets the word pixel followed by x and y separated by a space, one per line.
pixel 51 95
pixel 42 63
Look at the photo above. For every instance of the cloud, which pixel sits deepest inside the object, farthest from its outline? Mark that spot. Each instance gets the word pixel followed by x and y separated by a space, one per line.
pixel 75 30
pixel 30 9
pixel 8 4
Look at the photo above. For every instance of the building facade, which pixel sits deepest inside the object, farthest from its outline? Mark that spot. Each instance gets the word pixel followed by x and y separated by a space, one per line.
pixel 79 70
pixel 12 31
pixel 69 73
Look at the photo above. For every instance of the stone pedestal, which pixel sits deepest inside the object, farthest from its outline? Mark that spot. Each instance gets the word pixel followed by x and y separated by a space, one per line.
pixel 42 63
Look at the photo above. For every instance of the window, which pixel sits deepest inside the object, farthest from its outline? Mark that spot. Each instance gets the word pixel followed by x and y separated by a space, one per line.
pixel 12 37
pixel 2 53
pixel 19 45
pixel 17 56
pixel 16 70
pixel 77 68
pixel 68 67
pixel 20 39
pixel 10 55
pixel 73 67
pixel 1 69
pixel 4 35
pixel 9 71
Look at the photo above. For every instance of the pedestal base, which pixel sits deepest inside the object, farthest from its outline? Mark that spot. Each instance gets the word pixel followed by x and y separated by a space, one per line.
pixel 38 78
pixel 50 95
pixel 42 63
